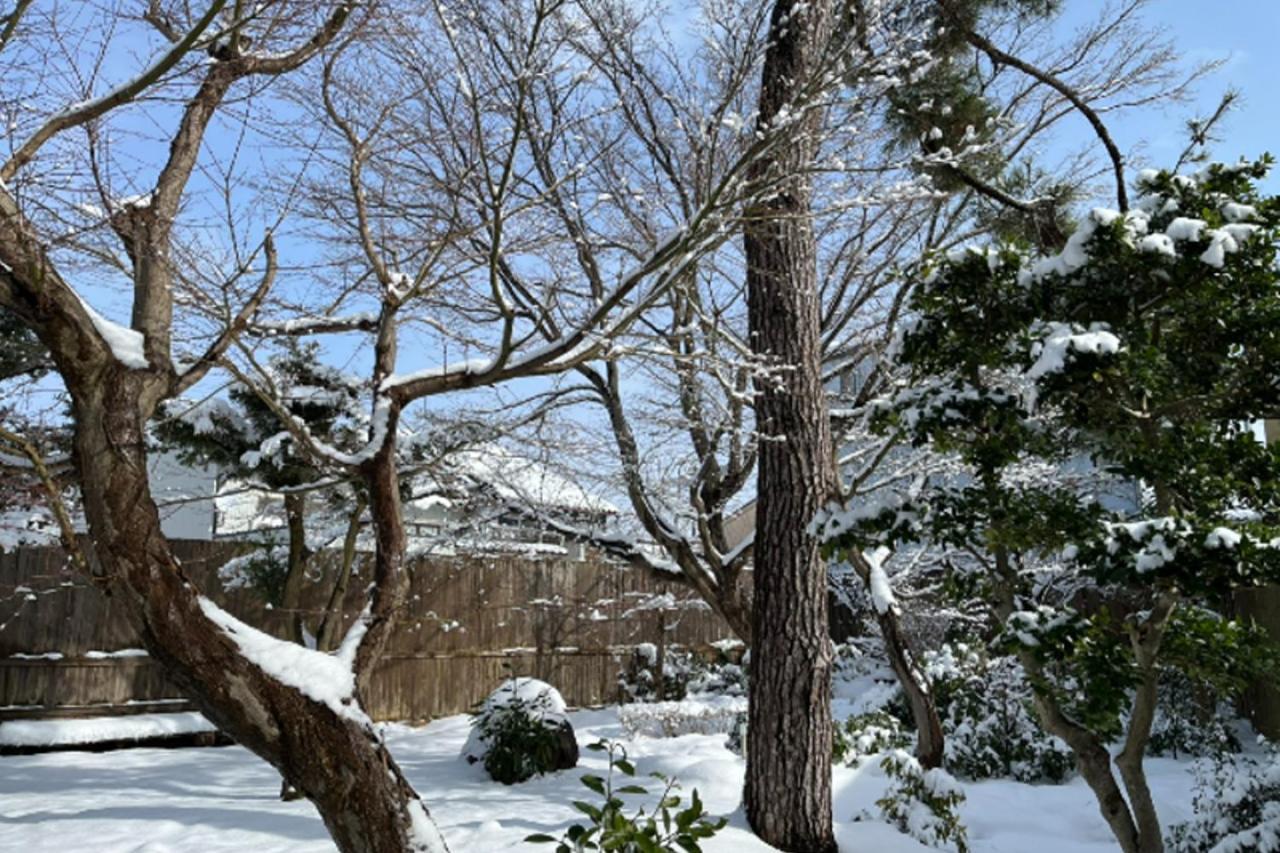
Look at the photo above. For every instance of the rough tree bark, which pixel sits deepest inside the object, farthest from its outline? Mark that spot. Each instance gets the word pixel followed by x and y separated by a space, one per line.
pixel 364 800
pixel 295 512
pixel 788 785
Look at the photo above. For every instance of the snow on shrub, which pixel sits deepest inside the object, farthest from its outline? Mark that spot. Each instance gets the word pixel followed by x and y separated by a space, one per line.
pixel 1191 720
pixel 1237 806
pixel 866 735
pixel 923 803
pixel 990 724
pixel 521 731
pixel 685 674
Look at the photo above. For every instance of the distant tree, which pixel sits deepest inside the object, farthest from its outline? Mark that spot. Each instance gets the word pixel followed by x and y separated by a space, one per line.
pixel 241 436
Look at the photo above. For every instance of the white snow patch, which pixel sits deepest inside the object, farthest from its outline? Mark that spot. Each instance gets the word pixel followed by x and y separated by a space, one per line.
pixel 1222 537
pixel 881 592
pixel 127 345
pixel 1063 339
pixel 100 729
pixel 321 677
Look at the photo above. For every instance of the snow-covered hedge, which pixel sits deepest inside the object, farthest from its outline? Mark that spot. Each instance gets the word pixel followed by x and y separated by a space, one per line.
pixel 710 716
pixel 866 735
pixel 685 674
pixel 1237 806
pixel 521 731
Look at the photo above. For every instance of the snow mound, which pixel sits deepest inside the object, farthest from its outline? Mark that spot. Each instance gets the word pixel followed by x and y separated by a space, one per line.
pixel 100 729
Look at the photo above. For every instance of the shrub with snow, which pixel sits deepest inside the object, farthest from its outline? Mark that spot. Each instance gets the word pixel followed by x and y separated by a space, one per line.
pixel 923 803
pixel 1191 720
pixel 521 731
pixel 862 736
pixel 990 725
pixel 685 674
pixel 713 716
pixel 1237 806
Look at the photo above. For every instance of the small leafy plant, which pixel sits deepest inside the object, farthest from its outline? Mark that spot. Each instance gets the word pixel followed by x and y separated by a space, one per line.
pixel 668 829
pixel 923 803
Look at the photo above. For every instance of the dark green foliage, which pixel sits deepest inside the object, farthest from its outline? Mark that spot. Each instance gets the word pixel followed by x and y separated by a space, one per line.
pixel 21 352
pixel 668 829
pixel 985 703
pixel 1190 720
pixel 523 739
pixel 1097 403
pixel 231 434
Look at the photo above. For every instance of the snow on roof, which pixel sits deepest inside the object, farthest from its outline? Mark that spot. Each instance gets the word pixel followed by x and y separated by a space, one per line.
pixel 242 508
pixel 520 479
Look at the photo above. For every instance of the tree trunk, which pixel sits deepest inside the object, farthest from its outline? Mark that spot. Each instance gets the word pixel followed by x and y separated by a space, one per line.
pixel 331 624
pixel 295 513
pixel 789 733
pixel 333 759
pixel 1092 758
pixel 924 711
pixel 929 737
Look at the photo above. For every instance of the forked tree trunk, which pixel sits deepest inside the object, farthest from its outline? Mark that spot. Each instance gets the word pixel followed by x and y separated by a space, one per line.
pixel 334 760
pixel 788 786
pixel 924 710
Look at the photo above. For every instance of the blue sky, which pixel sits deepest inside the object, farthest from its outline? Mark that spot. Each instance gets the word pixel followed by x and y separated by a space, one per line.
pixel 1244 33
pixel 1241 32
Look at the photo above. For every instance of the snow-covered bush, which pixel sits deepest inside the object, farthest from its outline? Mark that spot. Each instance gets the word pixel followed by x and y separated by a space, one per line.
pixel 668 829
pixel 521 731
pixel 987 715
pixel 923 803
pixel 865 735
pixel 684 674
pixel 1237 806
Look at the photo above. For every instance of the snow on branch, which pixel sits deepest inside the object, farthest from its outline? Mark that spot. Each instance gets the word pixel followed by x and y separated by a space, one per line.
pixel 325 678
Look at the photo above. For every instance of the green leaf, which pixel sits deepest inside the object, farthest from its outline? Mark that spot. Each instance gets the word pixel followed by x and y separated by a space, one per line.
pixel 587 809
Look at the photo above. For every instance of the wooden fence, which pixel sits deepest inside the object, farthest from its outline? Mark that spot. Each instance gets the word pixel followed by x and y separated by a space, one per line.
pixel 64 647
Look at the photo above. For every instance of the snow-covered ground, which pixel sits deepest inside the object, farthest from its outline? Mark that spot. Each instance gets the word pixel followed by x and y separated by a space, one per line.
pixel 211 800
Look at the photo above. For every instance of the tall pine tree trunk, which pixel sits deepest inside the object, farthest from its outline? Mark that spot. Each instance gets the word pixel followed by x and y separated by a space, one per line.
pixel 788 786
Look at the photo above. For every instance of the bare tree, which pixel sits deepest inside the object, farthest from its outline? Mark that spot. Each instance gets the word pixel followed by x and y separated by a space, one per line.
pixel 116 376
